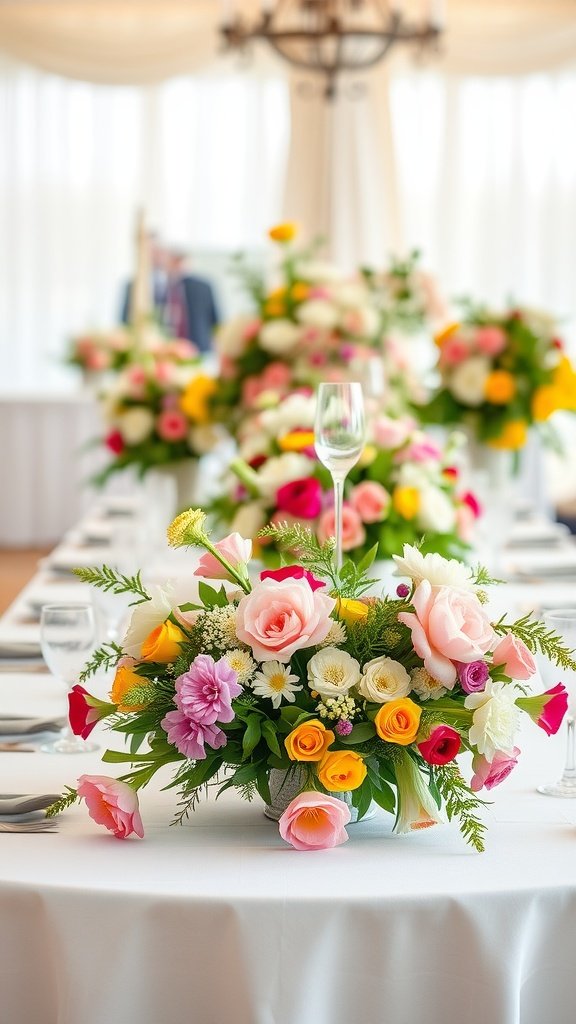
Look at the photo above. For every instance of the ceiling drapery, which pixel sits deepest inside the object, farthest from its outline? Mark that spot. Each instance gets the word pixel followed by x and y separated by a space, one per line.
pixel 141 41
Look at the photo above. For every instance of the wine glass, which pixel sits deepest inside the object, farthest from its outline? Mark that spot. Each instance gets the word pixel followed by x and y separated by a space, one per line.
pixel 339 431
pixel 563 622
pixel 67 638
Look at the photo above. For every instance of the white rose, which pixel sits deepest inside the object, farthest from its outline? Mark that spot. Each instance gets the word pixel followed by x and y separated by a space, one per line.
pixel 333 672
pixel 436 512
pixel 295 411
pixel 146 617
pixel 136 424
pixel 467 380
pixel 384 679
pixel 494 720
pixel 440 572
pixel 279 336
pixel 318 313
pixel 203 438
pixel 230 337
pixel 351 294
pixel 248 520
pixel 282 469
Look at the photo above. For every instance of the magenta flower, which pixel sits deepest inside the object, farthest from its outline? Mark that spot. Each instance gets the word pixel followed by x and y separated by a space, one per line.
pixel 189 737
pixel 343 727
pixel 292 572
pixel 204 693
pixel 473 677
pixel 547 709
pixel 488 774
pixel 442 745
pixel 300 498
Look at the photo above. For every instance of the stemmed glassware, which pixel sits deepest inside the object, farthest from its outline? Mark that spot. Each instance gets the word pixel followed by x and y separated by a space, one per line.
pixel 339 432
pixel 563 622
pixel 67 638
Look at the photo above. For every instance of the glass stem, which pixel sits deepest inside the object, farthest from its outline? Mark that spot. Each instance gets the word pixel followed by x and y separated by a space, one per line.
pixel 338 503
pixel 570 766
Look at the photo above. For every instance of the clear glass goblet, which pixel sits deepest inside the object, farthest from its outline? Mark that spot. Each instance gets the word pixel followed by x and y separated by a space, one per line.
pixel 339 432
pixel 563 622
pixel 67 638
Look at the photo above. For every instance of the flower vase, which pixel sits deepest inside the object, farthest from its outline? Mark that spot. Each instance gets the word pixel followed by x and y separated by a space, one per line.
pixel 176 485
pixel 493 480
pixel 285 785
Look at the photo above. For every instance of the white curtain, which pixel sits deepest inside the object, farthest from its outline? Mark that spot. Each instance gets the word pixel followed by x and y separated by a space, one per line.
pixel 205 155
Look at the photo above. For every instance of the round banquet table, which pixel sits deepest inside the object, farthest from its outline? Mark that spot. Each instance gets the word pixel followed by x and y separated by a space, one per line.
pixel 219 922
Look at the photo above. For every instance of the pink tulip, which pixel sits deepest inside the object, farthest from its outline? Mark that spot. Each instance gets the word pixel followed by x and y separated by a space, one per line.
pixel 111 803
pixel 547 709
pixel 313 821
pixel 236 550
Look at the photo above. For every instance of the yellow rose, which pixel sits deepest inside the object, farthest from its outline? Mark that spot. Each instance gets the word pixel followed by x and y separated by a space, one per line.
pixel 296 441
pixel 309 741
pixel 163 643
pixel 446 333
pixel 126 679
pixel 513 436
pixel 398 721
pixel 300 291
pixel 350 610
pixel 284 232
pixel 341 770
pixel 406 501
pixel 367 455
pixel 499 387
pixel 194 401
pixel 274 307
pixel 546 400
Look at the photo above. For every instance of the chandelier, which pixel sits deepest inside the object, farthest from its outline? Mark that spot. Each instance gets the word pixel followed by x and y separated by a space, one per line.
pixel 333 36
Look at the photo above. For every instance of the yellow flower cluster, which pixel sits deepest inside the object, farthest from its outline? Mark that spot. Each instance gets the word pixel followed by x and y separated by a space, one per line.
pixel 195 400
pixel 559 394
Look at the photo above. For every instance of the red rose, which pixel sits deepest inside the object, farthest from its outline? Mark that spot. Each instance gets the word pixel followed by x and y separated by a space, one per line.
pixel 300 498
pixel 292 572
pixel 115 442
pixel 441 746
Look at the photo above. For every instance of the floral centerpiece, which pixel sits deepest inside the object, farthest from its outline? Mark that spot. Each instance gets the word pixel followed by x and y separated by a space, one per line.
pixel 157 412
pixel 500 373
pixel 405 487
pixel 100 352
pixel 316 324
pixel 298 674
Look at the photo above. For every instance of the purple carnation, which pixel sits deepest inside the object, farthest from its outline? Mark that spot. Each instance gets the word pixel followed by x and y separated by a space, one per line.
pixel 473 677
pixel 189 737
pixel 204 693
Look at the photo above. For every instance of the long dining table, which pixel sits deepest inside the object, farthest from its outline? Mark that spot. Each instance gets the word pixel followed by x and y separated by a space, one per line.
pixel 217 921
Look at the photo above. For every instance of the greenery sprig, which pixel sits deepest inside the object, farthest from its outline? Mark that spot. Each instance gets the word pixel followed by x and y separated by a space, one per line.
pixel 460 802
pixel 110 579
pixel 539 639
pixel 68 798
pixel 350 582
pixel 103 658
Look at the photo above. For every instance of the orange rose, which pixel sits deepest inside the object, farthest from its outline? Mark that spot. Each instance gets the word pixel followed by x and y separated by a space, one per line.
pixel 296 441
pixel 499 387
pixel 341 770
pixel 446 333
pixel 309 741
pixel 300 291
pixel 125 680
pixel 163 643
pixel 398 721
pixel 284 232
pixel 195 399
pixel 546 400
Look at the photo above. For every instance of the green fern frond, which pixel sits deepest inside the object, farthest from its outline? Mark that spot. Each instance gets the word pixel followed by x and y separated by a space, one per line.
pixel 69 797
pixel 539 639
pixel 103 658
pixel 460 802
pixel 109 579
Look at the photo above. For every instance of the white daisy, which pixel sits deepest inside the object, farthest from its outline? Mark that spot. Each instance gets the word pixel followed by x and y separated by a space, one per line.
pixel 242 664
pixel 276 682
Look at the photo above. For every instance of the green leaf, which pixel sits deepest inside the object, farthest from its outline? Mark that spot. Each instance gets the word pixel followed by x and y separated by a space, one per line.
pixel 365 562
pixel 210 597
pixel 384 796
pixel 362 798
pixel 270 735
pixel 262 785
pixel 252 734
pixel 361 733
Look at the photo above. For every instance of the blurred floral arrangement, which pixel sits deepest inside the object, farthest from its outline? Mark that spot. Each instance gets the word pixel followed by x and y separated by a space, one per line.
pixel 404 490
pixel 110 351
pixel 317 324
pixel 298 674
pixel 500 374
pixel 157 411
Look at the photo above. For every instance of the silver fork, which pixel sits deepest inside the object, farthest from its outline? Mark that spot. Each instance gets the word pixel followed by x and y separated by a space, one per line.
pixel 44 825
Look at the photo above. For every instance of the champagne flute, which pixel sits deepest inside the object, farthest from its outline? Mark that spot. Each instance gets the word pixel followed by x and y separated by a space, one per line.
pixel 67 638
pixel 563 622
pixel 339 432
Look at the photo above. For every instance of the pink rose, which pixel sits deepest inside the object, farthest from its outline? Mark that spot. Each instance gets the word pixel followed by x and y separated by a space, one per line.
pixel 235 549
pixel 465 523
pixel 277 376
pixel 490 340
pixel 98 359
pixel 371 501
pixel 514 657
pixel 424 449
pixel 164 371
pixel 441 746
pixel 488 774
pixel 300 498
pixel 251 330
pixel 454 350
pixel 448 625
pixel 136 381
pixel 172 425
pixel 390 433
pixel 111 803
pixel 353 532
pixel 470 499
pixel 313 821
pixel 282 616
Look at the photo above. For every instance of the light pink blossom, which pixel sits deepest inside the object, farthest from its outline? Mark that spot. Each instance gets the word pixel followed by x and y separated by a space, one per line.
pixel 111 803
pixel 172 425
pixel 514 657
pixel 371 501
pixel 353 532
pixel 235 549
pixel 313 821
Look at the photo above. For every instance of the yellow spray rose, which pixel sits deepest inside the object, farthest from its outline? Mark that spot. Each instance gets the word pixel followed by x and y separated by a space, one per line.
pixel 284 232
pixel 499 387
pixel 513 436
pixel 398 721
pixel 163 643
pixel 300 291
pixel 194 402
pixel 350 610
pixel 125 680
pixel 406 501
pixel 309 741
pixel 296 441
pixel 445 333
pixel 341 770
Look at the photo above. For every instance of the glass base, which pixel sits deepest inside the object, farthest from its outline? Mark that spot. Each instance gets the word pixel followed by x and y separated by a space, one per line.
pixel 75 745
pixel 565 788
